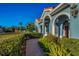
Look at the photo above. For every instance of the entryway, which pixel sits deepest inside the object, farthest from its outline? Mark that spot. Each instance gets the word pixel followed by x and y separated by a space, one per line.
pixel 62 26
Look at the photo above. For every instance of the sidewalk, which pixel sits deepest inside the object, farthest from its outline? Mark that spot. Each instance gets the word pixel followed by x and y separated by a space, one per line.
pixel 32 48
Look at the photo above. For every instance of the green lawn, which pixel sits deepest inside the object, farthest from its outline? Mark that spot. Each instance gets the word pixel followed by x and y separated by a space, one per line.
pixel 7 36
pixel 72 45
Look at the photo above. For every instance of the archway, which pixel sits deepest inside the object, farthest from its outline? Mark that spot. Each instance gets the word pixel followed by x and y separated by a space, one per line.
pixel 66 29
pixel 46 25
pixel 40 28
pixel 61 24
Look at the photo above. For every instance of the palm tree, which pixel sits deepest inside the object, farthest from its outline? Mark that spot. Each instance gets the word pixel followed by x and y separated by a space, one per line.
pixel 20 26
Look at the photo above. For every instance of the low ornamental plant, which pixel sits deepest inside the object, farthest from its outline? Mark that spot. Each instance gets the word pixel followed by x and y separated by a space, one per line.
pixel 12 46
pixel 52 48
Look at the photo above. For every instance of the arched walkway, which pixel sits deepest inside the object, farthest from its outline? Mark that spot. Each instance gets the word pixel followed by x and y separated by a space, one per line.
pixel 40 28
pixel 61 26
pixel 46 25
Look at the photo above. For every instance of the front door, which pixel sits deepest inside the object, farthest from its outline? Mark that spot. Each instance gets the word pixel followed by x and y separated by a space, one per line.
pixel 66 29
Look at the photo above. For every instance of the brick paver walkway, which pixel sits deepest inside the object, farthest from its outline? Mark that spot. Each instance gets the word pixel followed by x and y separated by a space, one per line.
pixel 32 48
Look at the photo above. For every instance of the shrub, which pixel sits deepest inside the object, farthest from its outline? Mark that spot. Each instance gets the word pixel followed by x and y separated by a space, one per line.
pixel 51 48
pixel 31 35
pixel 51 38
pixel 58 50
pixel 36 35
pixel 11 46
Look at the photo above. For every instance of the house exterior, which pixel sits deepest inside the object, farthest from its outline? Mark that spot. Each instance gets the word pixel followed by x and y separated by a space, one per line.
pixel 38 24
pixel 60 21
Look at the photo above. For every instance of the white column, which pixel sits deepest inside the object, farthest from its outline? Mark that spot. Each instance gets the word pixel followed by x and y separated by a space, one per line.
pixel 45 31
pixel 43 28
pixel 61 31
pixel 53 29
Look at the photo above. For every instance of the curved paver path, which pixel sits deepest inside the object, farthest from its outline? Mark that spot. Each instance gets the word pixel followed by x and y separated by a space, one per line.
pixel 32 48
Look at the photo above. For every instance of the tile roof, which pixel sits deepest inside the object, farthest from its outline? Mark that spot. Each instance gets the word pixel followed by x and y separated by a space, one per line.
pixel 38 20
pixel 48 9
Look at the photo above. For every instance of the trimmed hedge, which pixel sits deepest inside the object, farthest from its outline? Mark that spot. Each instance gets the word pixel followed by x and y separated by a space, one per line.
pixel 31 35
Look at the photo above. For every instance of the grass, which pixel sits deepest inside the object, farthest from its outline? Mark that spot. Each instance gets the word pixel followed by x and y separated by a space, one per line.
pixel 8 36
pixel 72 45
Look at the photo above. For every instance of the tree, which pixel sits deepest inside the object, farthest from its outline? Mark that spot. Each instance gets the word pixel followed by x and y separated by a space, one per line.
pixel 30 27
pixel 20 26
pixel 4 29
pixel 13 29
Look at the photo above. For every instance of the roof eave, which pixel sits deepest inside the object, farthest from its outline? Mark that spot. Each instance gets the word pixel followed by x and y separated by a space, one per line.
pixel 57 7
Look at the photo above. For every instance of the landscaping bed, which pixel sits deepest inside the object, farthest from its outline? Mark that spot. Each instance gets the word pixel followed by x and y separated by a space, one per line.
pixel 10 44
pixel 65 47
pixel 32 35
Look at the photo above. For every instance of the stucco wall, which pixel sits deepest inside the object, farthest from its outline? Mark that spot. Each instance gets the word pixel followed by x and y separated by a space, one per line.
pixel 43 17
pixel 75 26
pixel 64 11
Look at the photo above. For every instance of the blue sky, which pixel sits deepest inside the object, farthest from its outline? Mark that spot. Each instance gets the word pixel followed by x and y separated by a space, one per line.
pixel 11 14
